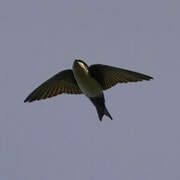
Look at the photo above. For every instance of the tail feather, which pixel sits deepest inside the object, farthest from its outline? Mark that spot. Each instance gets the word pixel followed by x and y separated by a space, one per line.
pixel 100 113
pixel 106 112
pixel 102 110
pixel 99 103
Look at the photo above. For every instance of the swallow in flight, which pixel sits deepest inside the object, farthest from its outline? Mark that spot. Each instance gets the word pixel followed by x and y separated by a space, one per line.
pixel 90 81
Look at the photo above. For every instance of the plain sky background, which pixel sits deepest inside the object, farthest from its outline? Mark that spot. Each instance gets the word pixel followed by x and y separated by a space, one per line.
pixel 61 138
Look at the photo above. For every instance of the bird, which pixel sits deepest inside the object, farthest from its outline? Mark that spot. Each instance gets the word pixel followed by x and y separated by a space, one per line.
pixel 88 80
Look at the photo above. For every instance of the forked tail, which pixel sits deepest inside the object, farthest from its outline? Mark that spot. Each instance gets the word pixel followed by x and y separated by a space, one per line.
pixel 99 103
pixel 102 110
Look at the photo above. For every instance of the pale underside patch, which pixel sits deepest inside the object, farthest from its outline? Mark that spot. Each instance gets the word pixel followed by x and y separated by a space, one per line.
pixel 88 85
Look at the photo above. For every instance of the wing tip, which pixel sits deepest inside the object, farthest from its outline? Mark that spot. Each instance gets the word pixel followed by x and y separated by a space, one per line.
pixel 28 100
pixel 148 78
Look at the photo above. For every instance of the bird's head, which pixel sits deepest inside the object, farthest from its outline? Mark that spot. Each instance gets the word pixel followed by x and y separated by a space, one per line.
pixel 80 65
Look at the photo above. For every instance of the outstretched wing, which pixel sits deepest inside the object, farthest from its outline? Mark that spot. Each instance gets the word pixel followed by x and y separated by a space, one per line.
pixel 109 76
pixel 62 82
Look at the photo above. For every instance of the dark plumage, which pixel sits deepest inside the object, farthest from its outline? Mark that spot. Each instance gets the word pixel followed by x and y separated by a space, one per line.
pixel 78 81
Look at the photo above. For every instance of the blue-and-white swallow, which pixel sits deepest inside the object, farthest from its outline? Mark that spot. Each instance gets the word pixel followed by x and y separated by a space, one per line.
pixel 90 81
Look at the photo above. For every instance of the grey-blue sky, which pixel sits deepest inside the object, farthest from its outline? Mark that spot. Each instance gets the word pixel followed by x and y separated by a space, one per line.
pixel 61 138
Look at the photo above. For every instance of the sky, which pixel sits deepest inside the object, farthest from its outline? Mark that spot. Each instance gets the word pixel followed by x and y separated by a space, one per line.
pixel 61 137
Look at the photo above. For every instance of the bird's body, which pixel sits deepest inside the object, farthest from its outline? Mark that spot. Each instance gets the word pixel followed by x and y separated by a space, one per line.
pixel 90 81
pixel 88 85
